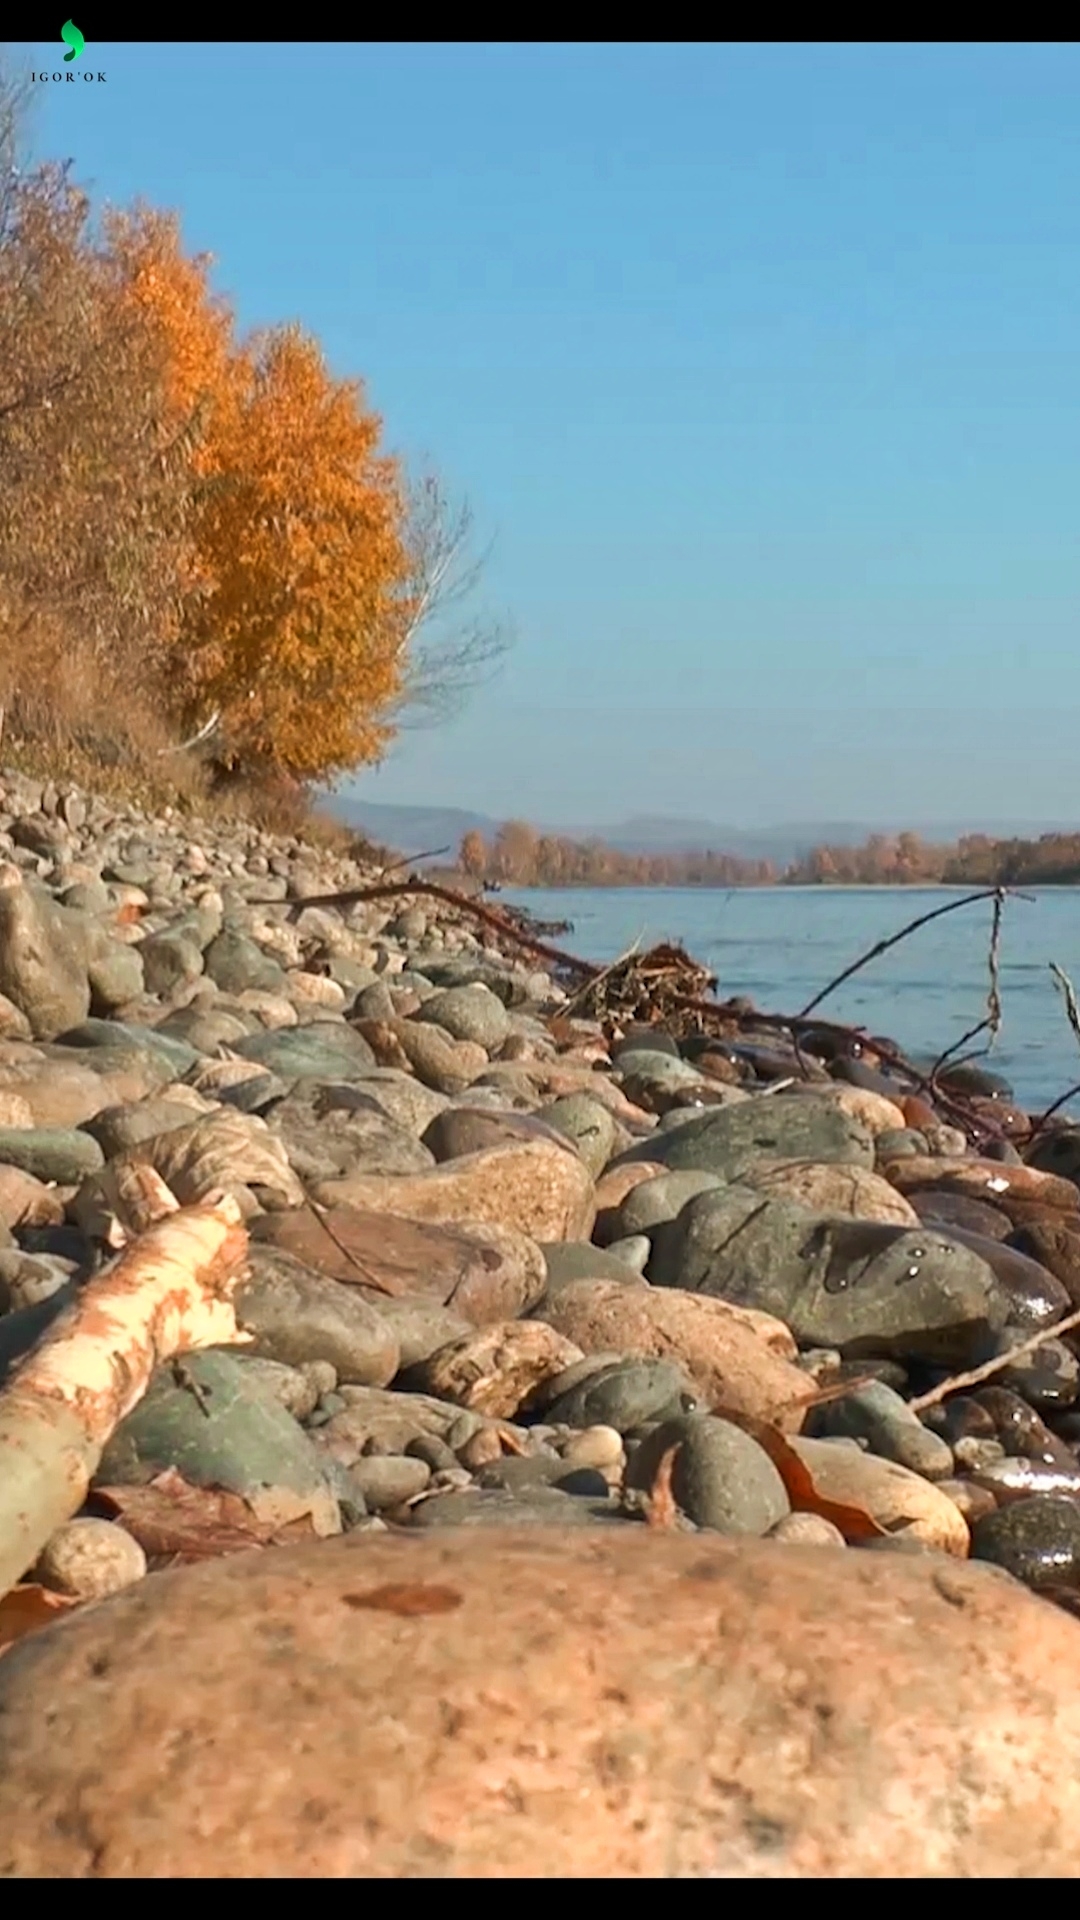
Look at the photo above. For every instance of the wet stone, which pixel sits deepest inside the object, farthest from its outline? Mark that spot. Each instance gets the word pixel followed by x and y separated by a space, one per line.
pixel 1035 1298
pixel 961 1418
pixel 966 1077
pixel 1018 1427
pixel 1056 1245
pixel 949 1210
pixel 1048 1379
pixel 1037 1540
pixel 858 1286
pixel 1005 1481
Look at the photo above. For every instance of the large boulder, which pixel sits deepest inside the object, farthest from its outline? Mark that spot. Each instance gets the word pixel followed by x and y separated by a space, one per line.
pixel 608 1701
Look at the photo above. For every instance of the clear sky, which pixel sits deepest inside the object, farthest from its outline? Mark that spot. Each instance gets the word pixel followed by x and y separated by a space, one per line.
pixel 760 365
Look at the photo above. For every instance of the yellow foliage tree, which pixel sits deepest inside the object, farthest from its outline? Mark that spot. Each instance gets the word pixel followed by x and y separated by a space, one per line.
pixel 299 643
pixel 296 637
pixel 473 854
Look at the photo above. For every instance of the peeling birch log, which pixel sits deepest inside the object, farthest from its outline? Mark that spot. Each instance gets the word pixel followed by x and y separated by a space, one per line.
pixel 124 1200
pixel 168 1293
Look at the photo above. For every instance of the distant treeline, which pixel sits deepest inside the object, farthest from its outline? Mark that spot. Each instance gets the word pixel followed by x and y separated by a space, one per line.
pixel 518 855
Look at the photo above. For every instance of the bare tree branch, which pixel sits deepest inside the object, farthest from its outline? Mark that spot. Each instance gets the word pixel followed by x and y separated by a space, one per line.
pixel 208 728
pixel 447 651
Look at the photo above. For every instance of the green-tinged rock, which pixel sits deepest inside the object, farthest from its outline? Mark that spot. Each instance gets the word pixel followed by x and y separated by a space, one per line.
pixel 61 1154
pixel 298 1315
pixel 627 1394
pixel 324 1050
pixel 122 1036
pixel 588 1123
pixel 853 1285
pixel 468 1013
pixel 213 1421
pixel 234 961
pixel 721 1478
pixel 727 1140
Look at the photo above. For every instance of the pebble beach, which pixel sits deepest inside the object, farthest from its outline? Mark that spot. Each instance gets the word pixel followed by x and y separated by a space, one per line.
pixel 593 1485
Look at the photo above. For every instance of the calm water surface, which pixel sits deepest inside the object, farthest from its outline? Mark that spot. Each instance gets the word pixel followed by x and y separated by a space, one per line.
pixel 781 945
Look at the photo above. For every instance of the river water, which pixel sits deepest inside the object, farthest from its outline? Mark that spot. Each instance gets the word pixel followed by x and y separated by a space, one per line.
pixel 781 945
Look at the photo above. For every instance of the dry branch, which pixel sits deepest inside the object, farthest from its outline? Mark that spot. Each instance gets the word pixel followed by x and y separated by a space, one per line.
pixel 882 946
pixel 1069 992
pixel 989 1367
pixel 992 1022
pixel 394 888
pixel 666 984
pixel 168 1293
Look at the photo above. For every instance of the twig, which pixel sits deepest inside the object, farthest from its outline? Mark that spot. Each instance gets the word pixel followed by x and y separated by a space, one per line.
pixel 992 1022
pixel 605 974
pixel 1039 1124
pixel 1073 1015
pixel 951 1104
pixel 882 946
pixel 410 860
pixel 990 1367
pixel 976 1126
pixel 943 1059
pixel 370 1279
pixel 391 888
pixel 1069 991
pixel 210 726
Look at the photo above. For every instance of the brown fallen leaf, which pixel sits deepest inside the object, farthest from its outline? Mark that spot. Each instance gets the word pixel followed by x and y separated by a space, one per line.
pixel 855 1523
pixel 26 1608
pixel 661 1507
pixel 561 1030
pixel 172 1520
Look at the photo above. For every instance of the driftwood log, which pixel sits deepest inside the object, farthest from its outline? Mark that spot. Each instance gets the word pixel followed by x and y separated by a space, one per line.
pixel 168 1293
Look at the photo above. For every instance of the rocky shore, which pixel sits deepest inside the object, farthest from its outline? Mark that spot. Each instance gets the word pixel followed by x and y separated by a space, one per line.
pixel 589 1493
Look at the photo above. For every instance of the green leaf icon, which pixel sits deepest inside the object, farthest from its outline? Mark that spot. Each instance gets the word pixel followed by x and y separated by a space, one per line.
pixel 70 35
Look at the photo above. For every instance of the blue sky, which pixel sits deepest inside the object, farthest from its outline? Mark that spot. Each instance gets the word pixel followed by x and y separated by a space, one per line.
pixel 759 365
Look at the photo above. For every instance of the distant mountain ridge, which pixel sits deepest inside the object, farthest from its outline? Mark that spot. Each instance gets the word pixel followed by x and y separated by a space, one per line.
pixel 416 830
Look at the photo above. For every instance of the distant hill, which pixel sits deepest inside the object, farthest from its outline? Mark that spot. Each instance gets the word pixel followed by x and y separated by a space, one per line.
pixel 410 829
pixel 415 830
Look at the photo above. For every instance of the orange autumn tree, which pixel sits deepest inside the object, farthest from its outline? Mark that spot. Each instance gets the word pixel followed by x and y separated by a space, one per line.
pixel 295 640
pixel 300 641
pixel 169 298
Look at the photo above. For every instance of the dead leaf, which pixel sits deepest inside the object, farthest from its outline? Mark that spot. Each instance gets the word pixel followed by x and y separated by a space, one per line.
pixel 561 1030
pixel 24 1609
pixel 173 1520
pixel 854 1522
pixel 661 1507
